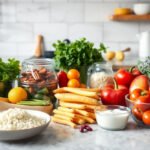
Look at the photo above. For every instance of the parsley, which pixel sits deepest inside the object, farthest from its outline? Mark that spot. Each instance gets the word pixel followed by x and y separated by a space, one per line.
pixel 76 54
pixel 9 70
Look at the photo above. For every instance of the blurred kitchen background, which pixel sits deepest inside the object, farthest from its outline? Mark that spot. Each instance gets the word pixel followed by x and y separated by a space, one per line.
pixel 22 20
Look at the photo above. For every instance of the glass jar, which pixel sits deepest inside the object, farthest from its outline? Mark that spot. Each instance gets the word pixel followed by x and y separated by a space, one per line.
pixel 39 78
pixel 99 74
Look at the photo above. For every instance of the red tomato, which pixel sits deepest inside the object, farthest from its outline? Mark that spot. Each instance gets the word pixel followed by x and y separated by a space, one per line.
pixel 141 101
pixel 123 77
pixel 137 93
pixel 136 72
pixel 140 82
pixel 146 117
pixel 137 113
pixel 62 78
pixel 114 95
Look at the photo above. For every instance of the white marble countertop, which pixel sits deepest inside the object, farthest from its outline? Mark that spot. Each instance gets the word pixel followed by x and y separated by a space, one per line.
pixel 60 137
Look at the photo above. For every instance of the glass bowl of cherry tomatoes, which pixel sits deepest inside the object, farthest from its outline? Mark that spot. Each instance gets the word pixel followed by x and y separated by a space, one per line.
pixel 139 103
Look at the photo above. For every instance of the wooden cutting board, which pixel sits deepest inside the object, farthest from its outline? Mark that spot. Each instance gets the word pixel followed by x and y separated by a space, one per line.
pixel 47 109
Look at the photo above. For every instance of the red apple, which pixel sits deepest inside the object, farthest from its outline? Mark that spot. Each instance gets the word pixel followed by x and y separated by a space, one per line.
pixel 140 82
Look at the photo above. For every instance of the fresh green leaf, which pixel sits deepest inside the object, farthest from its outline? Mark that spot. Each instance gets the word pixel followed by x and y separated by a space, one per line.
pixel 76 54
pixel 9 70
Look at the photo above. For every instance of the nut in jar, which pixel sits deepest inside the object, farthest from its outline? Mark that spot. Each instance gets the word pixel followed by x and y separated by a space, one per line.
pixel 39 78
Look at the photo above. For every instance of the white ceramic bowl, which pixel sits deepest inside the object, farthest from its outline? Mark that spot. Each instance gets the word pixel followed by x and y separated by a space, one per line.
pixel 11 135
pixel 141 8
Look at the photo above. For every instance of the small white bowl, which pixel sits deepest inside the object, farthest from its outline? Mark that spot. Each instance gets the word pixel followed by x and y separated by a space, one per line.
pixel 114 117
pixel 141 8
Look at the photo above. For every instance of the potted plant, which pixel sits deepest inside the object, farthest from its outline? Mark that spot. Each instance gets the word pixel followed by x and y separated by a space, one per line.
pixel 8 73
pixel 78 54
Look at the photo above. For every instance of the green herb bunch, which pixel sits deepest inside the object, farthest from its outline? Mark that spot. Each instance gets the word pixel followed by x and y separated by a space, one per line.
pixel 78 53
pixel 9 70
pixel 144 66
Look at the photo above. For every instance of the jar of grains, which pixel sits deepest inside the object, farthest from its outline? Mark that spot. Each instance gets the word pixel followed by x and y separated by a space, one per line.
pixel 99 75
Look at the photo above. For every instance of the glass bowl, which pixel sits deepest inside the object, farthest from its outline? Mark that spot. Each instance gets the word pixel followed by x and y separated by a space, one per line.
pixel 112 117
pixel 136 111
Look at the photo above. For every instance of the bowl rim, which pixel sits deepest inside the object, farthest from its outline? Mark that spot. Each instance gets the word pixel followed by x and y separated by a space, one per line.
pixel 127 99
pixel 124 108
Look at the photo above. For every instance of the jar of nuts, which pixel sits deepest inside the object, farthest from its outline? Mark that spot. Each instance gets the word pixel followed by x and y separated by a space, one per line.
pixel 39 79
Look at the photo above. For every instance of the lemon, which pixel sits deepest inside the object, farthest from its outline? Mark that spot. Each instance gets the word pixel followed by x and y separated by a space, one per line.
pixel 17 94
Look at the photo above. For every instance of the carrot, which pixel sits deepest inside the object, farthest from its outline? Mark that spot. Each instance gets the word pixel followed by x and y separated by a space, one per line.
pixel 69 97
pixel 78 91
pixel 66 122
pixel 72 105
pixel 64 113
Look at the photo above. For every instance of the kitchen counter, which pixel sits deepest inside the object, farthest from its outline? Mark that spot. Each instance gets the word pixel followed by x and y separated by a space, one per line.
pixel 60 137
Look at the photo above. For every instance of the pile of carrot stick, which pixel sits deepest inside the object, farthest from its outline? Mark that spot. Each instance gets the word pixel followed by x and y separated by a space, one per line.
pixel 76 106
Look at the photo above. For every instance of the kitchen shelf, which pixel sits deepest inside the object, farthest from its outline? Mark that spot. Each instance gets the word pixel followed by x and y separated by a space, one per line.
pixel 130 17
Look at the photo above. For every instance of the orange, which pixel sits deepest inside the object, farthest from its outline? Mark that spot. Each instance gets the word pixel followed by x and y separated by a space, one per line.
pixel 73 83
pixel 73 74
pixel 17 94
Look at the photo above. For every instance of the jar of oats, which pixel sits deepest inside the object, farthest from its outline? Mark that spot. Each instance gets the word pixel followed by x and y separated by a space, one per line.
pixel 99 75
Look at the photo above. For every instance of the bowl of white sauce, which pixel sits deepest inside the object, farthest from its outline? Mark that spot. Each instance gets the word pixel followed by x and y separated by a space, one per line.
pixel 114 117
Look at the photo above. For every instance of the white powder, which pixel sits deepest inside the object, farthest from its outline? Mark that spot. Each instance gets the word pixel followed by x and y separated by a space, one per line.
pixel 100 79
pixel 17 119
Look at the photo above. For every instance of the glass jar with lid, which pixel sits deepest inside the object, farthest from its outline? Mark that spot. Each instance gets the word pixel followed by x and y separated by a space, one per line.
pixel 39 79
pixel 99 75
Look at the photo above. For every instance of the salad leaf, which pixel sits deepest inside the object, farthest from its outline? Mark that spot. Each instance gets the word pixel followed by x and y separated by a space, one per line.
pixel 78 53
pixel 9 70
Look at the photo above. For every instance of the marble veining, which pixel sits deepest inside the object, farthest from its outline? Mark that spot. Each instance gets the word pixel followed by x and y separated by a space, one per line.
pixel 60 137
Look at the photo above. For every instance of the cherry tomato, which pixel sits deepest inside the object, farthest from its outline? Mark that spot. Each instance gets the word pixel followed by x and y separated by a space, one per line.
pixel 141 102
pixel 73 74
pixel 62 79
pixel 137 113
pixel 73 83
pixel 146 117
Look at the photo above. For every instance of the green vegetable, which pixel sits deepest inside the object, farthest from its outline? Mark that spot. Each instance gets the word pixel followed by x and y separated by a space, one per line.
pixel 144 66
pixel 34 102
pixel 9 70
pixel 76 54
pixel 41 97
pixel 43 91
